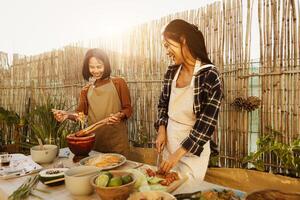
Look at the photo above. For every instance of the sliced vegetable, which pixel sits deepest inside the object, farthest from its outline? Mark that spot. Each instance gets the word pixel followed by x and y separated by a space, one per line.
pixel 158 187
pixel 154 180
pixel 141 183
pixel 102 180
pixel 52 174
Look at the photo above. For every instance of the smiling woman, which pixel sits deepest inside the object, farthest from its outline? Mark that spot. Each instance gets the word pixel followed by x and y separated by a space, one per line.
pixel 108 98
pixel 189 102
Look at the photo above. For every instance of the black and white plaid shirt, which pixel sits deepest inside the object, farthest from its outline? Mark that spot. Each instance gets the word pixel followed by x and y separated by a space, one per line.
pixel 208 94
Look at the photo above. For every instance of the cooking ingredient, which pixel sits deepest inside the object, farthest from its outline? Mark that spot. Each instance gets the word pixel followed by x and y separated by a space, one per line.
pixel 167 178
pixel 141 183
pixel 154 180
pixel 104 161
pixel 52 174
pixel 102 180
pixel 126 179
pixel 107 173
pixel 115 181
pixel 26 189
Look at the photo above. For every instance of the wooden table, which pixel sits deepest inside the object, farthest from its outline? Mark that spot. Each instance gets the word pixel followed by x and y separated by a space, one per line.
pixel 60 192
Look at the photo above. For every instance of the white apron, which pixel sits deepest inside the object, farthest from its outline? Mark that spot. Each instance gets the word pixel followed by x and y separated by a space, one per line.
pixel 181 121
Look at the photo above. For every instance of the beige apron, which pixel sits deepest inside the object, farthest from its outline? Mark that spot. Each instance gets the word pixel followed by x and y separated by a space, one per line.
pixel 103 101
pixel 181 121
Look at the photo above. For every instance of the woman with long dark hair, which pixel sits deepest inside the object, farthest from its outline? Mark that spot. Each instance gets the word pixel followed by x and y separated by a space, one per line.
pixel 189 103
pixel 103 97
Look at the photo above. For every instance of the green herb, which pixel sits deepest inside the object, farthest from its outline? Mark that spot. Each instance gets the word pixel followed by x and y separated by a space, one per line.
pixel 26 189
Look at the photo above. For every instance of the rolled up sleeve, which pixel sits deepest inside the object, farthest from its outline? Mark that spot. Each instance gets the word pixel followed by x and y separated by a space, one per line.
pixel 207 120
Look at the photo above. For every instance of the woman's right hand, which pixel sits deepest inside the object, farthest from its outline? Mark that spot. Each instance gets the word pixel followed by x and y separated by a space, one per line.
pixel 60 115
pixel 161 139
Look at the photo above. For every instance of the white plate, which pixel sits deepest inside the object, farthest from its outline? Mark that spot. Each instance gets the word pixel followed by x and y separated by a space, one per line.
pixel 151 195
pixel 122 160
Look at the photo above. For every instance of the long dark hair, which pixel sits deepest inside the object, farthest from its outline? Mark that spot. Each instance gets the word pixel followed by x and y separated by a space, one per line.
pixel 179 28
pixel 100 55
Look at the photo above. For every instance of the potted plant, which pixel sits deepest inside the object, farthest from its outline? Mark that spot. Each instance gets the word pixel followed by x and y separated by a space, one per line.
pixel 287 154
pixel 11 127
pixel 43 125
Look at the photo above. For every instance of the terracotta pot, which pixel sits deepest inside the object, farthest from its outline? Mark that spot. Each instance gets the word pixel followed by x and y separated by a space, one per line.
pixel 81 146
pixel 74 138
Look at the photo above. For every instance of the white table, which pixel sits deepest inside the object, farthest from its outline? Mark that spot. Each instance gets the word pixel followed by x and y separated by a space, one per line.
pixel 7 187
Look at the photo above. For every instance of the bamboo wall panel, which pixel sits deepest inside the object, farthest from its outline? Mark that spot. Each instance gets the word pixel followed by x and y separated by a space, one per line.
pixel 279 68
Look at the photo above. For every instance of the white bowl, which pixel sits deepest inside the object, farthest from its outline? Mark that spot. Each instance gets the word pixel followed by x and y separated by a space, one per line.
pixel 80 185
pixel 45 155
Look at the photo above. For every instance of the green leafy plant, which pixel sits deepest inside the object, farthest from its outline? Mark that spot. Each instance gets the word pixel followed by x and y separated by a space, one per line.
pixel 269 144
pixel 142 138
pixel 9 117
pixel 43 125
pixel 11 124
pixel 213 161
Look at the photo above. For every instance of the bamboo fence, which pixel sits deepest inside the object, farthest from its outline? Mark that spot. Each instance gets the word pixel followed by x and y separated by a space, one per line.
pixel 280 68
pixel 139 57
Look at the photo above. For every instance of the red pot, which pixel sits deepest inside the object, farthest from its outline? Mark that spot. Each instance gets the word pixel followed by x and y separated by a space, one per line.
pixel 80 146
pixel 75 138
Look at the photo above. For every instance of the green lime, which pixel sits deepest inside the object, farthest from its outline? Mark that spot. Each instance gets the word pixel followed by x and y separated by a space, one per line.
pixel 115 181
pixel 126 179
pixel 102 180
pixel 107 173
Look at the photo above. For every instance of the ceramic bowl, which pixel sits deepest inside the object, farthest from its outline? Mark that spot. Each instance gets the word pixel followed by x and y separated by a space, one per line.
pixel 80 185
pixel 80 146
pixel 45 155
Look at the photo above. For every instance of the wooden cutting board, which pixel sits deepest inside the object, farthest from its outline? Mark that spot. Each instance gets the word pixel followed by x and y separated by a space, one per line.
pixel 173 186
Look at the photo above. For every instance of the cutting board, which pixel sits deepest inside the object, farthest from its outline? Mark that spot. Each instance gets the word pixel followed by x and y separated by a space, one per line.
pixel 173 186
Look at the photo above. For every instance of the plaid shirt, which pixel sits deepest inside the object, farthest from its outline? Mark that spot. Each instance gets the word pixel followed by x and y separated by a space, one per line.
pixel 207 99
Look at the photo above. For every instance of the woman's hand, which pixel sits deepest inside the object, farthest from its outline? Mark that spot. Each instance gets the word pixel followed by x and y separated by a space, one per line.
pixel 161 139
pixel 60 115
pixel 115 118
pixel 173 159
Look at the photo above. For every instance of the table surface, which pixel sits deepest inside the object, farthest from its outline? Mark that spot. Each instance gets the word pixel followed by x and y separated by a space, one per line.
pixel 8 186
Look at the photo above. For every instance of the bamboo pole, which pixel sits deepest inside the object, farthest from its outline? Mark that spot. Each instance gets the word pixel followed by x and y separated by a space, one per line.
pixel 295 77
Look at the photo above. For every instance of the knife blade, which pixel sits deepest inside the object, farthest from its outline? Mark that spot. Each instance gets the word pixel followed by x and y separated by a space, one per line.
pixel 158 160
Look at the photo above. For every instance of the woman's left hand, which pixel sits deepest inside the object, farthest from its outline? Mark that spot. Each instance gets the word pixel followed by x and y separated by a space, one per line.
pixel 115 118
pixel 173 159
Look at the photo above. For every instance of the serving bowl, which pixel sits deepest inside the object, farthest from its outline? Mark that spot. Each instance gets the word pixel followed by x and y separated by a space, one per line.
pixel 45 155
pixel 80 185
pixel 116 192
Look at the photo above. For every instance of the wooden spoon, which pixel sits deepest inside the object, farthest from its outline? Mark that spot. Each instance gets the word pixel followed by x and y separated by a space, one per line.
pixel 91 128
